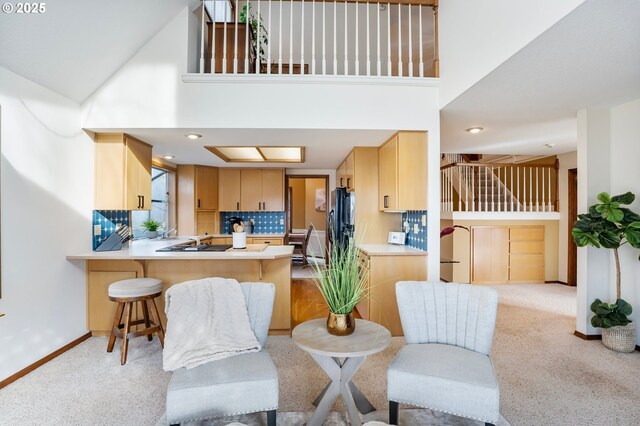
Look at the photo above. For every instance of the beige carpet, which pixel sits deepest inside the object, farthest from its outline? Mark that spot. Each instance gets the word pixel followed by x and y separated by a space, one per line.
pixel 547 376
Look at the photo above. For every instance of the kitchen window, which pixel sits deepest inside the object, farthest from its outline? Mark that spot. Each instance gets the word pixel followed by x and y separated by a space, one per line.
pixel 161 181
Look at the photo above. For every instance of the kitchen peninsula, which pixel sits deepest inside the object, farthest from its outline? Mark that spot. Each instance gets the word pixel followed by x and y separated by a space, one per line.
pixel 264 263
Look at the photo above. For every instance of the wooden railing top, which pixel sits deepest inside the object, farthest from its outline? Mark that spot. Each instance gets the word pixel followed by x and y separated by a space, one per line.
pixel 551 166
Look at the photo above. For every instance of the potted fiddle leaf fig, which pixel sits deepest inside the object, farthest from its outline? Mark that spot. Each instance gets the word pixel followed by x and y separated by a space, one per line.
pixel 610 225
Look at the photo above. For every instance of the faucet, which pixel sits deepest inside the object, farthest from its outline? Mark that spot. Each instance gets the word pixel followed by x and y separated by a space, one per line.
pixel 166 234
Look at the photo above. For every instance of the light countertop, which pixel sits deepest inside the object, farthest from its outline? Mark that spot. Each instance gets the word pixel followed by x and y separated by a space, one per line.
pixel 390 250
pixel 146 250
pixel 253 235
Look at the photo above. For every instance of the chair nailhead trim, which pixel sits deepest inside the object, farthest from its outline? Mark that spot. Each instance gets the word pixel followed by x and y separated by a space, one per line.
pixel 229 415
pixel 444 411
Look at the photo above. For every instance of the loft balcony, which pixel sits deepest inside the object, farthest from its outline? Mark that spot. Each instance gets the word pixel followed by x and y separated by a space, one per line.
pixel 327 39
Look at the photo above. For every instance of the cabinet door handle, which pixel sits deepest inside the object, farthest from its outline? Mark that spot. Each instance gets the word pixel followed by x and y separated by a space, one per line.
pixel 198 202
pixel 386 201
pixel 341 183
pixel 139 201
pixel 238 205
pixel 348 183
pixel 143 201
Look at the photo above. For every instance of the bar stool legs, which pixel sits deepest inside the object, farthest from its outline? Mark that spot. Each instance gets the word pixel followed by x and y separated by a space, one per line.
pixel 122 329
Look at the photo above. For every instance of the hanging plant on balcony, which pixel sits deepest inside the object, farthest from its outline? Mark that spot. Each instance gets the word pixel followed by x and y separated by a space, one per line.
pixel 254 23
pixel 611 226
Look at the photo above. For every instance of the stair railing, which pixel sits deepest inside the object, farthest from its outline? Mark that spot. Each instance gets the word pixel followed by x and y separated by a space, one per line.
pixel 499 187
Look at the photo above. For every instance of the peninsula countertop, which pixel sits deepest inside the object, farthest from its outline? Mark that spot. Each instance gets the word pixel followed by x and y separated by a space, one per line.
pixel 390 250
pixel 146 250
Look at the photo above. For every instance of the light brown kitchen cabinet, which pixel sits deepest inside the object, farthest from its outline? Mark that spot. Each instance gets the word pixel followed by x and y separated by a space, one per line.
pixel 273 190
pixel 384 271
pixel 228 190
pixel 402 172
pixel 206 188
pixel 341 175
pixel 262 190
pixel 349 170
pixel 197 199
pixel 122 172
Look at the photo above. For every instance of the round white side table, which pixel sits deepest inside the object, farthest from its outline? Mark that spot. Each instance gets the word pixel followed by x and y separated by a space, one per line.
pixel 327 350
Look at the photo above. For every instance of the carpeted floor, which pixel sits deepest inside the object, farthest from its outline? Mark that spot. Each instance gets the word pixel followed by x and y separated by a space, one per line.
pixel 547 377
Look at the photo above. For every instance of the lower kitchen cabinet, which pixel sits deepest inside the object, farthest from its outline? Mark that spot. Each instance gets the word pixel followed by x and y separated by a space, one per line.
pixel 383 274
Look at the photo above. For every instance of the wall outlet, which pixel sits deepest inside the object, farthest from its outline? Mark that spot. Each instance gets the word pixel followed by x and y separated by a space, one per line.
pixel 424 220
pixel 97 229
pixel 281 221
pixel 416 228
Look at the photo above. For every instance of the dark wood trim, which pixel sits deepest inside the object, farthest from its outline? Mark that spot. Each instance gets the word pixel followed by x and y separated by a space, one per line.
pixel 556 282
pixel 587 336
pixel 43 361
pixel 572 216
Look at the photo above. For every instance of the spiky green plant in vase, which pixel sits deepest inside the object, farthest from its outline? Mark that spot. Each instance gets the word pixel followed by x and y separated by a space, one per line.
pixel 343 285
pixel 151 226
pixel 610 225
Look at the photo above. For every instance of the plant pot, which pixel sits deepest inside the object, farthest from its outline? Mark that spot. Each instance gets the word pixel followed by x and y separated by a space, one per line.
pixel 341 324
pixel 152 234
pixel 621 338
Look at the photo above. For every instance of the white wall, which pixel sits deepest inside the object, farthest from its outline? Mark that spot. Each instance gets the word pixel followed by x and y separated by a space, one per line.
pixel 625 176
pixel 47 197
pixel 477 36
pixel 608 151
pixel 566 162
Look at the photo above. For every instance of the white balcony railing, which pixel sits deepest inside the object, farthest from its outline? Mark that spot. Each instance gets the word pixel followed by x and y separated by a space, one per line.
pixel 327 38
pixel 499 187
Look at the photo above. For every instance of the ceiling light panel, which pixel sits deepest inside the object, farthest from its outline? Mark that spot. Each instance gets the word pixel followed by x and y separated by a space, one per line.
pixel 259 154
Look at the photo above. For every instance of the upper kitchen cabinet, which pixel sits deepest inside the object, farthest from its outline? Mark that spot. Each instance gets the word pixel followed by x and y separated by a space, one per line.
pixel 123 172
pixel 345 174
pixel 228 190
pixel 197 199
pixel 402 172
pixel 251 190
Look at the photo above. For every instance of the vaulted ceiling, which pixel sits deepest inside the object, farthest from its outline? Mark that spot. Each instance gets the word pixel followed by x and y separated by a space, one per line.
pixel 75 46
pixel 589 59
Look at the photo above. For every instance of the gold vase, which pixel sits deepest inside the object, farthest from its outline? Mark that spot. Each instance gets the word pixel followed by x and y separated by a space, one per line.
pixel 341 324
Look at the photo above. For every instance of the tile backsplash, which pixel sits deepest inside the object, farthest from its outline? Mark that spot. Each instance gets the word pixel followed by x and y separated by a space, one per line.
pixel 419 240
pixel 265 222
pixel 108 221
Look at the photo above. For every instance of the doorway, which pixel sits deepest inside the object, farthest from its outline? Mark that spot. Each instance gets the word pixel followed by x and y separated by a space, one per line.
pixel 572 211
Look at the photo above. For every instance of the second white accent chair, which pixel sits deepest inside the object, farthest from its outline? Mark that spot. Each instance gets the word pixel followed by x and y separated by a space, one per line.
pixel 445 365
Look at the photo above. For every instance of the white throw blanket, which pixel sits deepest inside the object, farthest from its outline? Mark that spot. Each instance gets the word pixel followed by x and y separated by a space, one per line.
pixel 207 320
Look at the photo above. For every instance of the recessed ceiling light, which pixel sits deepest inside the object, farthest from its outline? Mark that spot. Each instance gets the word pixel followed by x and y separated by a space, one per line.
pixel 475 130
pixel 549 145
pixel 193 136
pixel 168 157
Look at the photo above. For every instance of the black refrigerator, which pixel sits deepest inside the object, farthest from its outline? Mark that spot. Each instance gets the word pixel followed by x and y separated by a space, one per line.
pixel 341 216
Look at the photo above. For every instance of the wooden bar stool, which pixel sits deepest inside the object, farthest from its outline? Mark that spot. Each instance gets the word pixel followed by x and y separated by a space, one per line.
pixel 126 293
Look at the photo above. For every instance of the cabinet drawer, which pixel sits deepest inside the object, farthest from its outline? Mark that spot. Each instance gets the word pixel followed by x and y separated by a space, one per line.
pixel 527 247
pixel 527 234
pixel 222 240
pixel 526 274
pixel 270 241
pixel 526 261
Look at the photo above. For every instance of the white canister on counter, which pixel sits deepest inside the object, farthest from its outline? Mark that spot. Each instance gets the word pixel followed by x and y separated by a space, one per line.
pixel 239 240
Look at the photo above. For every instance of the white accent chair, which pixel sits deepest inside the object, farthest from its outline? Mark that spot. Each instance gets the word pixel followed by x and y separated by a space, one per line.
pixel 239 384
pixel 445 365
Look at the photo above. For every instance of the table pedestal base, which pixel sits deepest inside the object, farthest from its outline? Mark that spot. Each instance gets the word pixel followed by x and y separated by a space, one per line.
pixel 341 375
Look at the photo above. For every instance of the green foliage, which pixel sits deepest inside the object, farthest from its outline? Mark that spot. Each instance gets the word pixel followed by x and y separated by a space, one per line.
pixel 608 224
pixel 254 22
pixel 610 315
pixel 151 225
pixel 343 284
